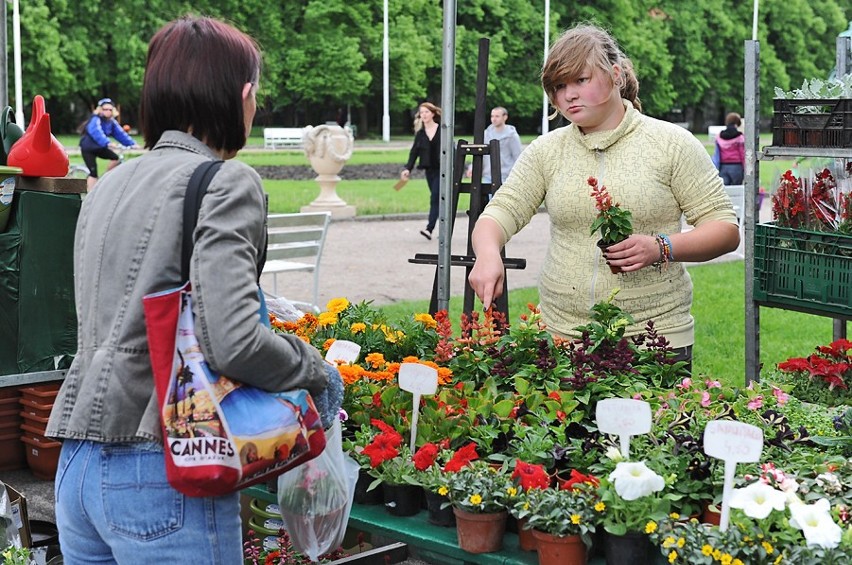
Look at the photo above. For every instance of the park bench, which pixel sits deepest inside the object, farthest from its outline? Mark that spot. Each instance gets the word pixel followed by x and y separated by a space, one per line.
pixel 273 138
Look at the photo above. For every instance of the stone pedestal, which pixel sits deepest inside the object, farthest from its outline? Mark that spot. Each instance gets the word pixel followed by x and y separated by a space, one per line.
pixel 328 147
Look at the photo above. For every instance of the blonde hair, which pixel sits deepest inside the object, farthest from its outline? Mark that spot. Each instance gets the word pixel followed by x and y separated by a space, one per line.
pixel 432 108
pixel 588 45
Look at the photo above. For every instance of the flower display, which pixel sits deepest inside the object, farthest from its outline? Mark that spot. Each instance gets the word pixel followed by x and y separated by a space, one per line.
pixel 816 523
pixel 614 222
pixel 560 512
pixel 788 202
pixel 634 480
pixel 632 498
pixel 529 476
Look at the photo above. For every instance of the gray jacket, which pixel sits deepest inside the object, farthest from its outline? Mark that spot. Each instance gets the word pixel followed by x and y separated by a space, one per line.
pixel 510 148
pixel 127 245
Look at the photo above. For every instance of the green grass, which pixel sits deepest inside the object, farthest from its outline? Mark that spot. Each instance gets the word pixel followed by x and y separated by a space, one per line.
pixel 719 311
pixel 370 197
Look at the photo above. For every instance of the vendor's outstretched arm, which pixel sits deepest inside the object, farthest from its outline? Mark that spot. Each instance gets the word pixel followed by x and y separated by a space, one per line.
pixel 486 277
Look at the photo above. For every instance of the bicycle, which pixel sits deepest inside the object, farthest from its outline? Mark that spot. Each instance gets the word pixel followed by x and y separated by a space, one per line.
pixel 81 171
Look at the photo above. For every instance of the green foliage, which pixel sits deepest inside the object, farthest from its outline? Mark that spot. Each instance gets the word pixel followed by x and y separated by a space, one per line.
pixel 560 512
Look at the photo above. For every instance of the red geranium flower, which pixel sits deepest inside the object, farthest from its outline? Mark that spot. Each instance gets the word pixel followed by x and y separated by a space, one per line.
pixel 530 475
pixel 425 456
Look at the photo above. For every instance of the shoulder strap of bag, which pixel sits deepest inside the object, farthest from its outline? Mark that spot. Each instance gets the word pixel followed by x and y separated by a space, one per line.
pixel 195 191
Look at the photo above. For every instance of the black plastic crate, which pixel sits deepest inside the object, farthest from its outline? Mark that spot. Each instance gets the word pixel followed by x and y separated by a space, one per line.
pixel 805 269
pixel 794 126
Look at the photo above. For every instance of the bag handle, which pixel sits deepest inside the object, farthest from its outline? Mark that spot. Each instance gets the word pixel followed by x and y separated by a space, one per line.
pixel 195 191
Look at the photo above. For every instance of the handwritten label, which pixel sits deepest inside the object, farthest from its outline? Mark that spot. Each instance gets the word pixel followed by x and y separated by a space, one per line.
pixel 418 378
pixel 733 441
pixel 343 351
pixel 623 416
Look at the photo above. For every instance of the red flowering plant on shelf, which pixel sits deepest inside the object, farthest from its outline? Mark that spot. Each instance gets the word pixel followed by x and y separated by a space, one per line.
pixel 788 202
pixel 822 377
pixel 614 222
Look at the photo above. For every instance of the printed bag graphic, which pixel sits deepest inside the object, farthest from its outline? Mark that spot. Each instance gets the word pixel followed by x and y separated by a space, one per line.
pixel 220 435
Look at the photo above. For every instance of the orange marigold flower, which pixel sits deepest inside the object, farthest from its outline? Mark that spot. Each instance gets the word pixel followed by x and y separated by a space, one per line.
pixel 411 359
pixel 393 368
pixel 426 319
pixel 327 343
pixel 337 305
pixel 358 327
pixel 375 360
pixel 445 375
pixel 381 376
pixel 350 373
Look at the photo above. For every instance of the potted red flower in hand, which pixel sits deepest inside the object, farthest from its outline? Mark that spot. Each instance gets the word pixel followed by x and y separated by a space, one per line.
pixel 614 222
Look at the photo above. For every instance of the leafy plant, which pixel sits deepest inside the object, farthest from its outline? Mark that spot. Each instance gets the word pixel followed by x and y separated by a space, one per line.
pixel 16 556
pixel 818 88
pixel 480 488
pixel 561 512
pixel 614 222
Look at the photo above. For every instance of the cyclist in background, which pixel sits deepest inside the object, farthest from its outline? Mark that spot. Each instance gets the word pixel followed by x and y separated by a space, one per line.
pixel 95 140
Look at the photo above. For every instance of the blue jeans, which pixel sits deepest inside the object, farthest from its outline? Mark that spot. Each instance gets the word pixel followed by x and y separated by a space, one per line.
pixel 114 505
pixel 731 173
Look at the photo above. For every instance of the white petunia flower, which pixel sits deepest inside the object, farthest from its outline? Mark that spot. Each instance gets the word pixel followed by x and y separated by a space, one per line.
pixel 758 499
pixel 635 480
pixel 816 524
pixel 614 453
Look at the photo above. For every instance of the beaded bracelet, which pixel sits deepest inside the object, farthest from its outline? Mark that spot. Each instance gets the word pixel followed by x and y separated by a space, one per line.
pixel 666 255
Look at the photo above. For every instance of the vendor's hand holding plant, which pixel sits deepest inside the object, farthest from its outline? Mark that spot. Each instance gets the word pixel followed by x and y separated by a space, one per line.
pixel 614 222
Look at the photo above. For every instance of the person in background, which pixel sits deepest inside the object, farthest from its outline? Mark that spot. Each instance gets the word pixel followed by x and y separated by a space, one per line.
pixel 657 170
pixel 729 155
pixel 113 501
pixel 95 141
pixel 510 144
pixel 427 149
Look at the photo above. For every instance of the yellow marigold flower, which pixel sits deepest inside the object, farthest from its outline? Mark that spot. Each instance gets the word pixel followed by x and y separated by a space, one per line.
pixel 668 542
pixel 512 491
pixel 717 555
pixel 327 343
pixel 778 559
pixel 443 490
pixel 327 319
pixel 337 305
pixel 768 547
pixel 674 516
pixel 475 499
pixel 575 519
pixel 737 562
pixel 681 542
pixel 375 360
pixel 426 319
pixel 706 549
pixel 726 559
pixel 672 556
pixel 358 327
pixel 600 506
pixel 650 527
pixel 526 505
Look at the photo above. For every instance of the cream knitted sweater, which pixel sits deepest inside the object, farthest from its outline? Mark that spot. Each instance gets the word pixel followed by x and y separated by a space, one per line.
pixel 655 169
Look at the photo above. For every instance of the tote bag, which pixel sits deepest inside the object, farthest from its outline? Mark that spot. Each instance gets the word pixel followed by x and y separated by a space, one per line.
pixel 219 435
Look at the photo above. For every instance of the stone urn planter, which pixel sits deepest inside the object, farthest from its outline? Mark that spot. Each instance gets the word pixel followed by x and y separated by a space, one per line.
pixel 328 147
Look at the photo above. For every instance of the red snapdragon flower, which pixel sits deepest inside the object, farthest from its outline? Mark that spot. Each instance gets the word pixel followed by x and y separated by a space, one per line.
pixel 530 475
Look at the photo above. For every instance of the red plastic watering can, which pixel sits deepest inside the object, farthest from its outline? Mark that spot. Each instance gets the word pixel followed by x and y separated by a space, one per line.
pixel 38 152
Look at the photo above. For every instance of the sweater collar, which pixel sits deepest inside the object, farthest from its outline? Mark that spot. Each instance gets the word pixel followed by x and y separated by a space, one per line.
pixel 183 140
pixel 602 140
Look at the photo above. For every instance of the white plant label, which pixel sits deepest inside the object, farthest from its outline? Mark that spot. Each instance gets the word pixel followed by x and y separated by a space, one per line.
pixel 343 351
pixel 732 442
pixel 623 417
pixel 419 380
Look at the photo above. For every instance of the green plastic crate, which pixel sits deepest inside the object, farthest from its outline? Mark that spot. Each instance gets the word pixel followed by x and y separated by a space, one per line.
pixel 803 269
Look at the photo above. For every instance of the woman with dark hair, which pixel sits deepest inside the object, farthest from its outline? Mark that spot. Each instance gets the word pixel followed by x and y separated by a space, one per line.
pixel 427 148
pixel 113 502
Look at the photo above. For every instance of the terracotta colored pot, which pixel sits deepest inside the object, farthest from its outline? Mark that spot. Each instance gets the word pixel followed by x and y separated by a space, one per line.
pixel 710 515
pixel 525 537
pixel 480 533
pixel 560 550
